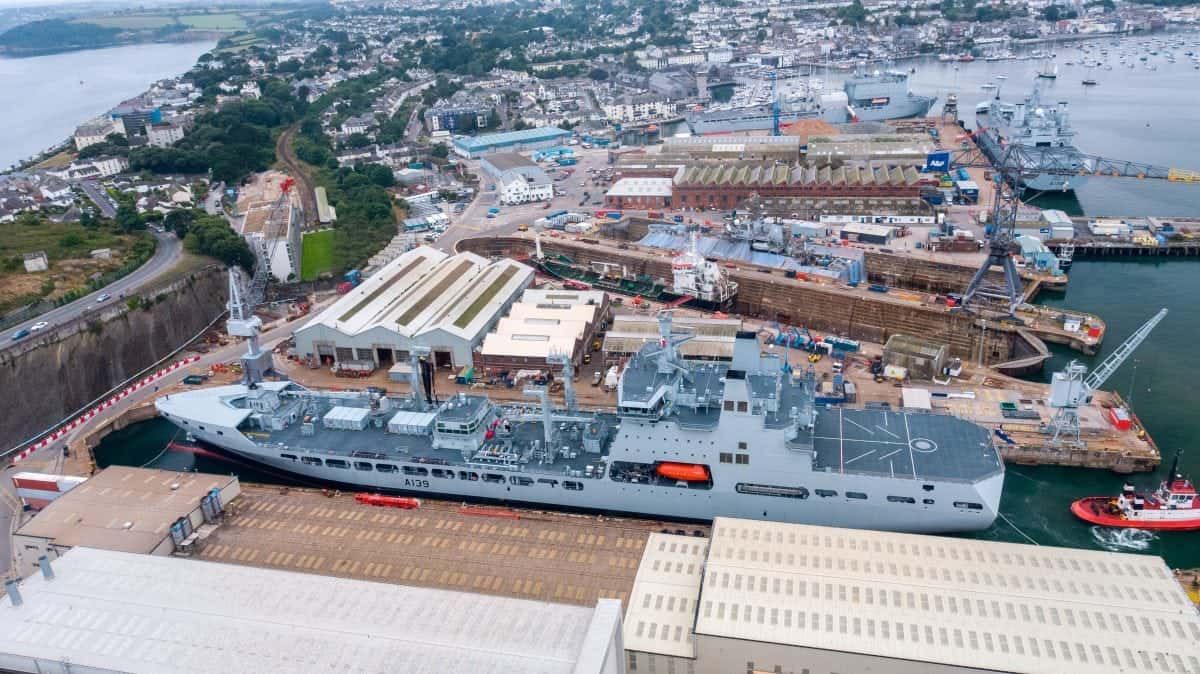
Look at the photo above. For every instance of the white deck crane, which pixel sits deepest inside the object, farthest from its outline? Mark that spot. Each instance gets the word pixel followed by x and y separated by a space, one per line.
pixel 1070 388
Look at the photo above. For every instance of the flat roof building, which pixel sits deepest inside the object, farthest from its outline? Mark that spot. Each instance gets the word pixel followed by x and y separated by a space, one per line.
pixel 544 322
pixel 759 148
pixel 472 147
pixel 107 611
pixel 712 338
pixel 424 297
pixel 120 508
pixel 518 179
pixel 792 597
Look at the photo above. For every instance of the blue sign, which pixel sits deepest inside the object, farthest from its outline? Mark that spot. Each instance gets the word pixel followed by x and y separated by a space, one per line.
pixel 937 162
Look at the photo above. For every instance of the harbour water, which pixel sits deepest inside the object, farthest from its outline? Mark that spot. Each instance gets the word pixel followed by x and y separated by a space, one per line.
pixel 48 96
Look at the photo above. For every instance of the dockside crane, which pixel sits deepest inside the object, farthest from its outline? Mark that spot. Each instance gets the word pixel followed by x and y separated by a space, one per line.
pixel 1010 171
pixel 246 296
pixel 1074 386
pixel 775 110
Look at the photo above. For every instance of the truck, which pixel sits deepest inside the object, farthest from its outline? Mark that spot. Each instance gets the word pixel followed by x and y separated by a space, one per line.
pixel 353 277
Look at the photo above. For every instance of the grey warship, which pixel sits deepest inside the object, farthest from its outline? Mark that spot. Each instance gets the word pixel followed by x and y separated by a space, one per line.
pixel 690 440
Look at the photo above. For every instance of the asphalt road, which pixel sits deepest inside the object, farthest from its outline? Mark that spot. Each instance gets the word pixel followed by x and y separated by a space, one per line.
pixel 99 197
pixel 165 256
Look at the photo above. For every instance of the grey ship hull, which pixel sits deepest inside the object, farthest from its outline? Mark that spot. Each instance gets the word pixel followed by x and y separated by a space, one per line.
pixel 909 106
pixel 877 478
pixel 601 495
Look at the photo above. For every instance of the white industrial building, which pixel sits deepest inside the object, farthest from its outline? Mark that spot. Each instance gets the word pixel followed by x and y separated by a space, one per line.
pixel 273 234
pixel 108 612
pixel 712 338
pixel 425 298
pixel 775 597
pixel 544 323
pixel 518 179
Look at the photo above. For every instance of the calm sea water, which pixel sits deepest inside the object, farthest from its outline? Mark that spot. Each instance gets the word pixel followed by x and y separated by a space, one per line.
pixel 1111 120
pixel 46 97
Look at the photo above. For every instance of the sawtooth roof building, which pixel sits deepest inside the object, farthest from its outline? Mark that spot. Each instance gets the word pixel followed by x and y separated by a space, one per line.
pixel 424 297
pixel 724 185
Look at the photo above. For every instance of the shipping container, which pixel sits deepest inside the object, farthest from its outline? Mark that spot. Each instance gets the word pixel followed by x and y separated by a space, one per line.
pixel 1120 418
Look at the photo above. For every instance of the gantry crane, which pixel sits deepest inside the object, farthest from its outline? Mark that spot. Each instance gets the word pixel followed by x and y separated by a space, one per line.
pixel 1070 388
pixel 1011 169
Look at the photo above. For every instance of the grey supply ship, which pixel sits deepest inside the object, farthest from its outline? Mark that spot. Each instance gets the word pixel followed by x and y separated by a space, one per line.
pixel 1030 123
pixel 691 440
pixel 864 97
pixel 879 96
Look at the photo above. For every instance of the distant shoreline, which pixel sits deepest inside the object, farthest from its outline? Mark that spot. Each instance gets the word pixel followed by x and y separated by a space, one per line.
pixel 182 38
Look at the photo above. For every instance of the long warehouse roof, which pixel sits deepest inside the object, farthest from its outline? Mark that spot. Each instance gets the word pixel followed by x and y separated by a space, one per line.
pixel 981 604
pixel 113 611
pixel 425 289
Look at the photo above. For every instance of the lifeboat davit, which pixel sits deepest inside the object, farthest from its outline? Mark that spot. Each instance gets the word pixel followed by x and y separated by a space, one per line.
pixel 688 472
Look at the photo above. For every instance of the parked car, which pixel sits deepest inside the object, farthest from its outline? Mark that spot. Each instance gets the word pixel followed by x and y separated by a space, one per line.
pixel 194 379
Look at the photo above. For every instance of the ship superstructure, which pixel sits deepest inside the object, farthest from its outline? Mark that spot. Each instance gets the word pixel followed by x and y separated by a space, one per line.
pixel 700 278
pixel 690 440
pixel 1032 123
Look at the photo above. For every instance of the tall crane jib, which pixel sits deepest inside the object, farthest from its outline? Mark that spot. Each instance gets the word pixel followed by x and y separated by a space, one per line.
pixel 1011 169
pixel 245 297
pixel 1074 386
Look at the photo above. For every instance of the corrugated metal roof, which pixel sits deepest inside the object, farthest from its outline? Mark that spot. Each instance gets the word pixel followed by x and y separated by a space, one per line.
pixel 510 138
pixel 663 602
pixel 980 604
pixel 141 613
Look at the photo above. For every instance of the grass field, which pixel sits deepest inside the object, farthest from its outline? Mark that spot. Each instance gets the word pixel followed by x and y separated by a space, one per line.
pixel 68 245
pixel 224 21
pixel 317 255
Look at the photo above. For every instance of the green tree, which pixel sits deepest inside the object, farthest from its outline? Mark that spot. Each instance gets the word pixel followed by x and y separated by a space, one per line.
pixel 128 219
pixel 439 150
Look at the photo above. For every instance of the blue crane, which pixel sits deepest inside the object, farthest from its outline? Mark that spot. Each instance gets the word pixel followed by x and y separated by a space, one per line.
pixel 774 106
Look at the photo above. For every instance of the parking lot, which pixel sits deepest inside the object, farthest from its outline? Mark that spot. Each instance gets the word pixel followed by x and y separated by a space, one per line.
pixel 570 194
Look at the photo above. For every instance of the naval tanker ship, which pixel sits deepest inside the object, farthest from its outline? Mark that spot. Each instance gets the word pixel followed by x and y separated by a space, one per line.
pixel 689 440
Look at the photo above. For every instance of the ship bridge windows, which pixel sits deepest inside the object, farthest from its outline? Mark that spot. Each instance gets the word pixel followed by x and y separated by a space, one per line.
pixel 468 475
pixel 443 473
pixel 337 463
pixel 290 457
pixel 363 465
pixel 386 468
pixel 552 483
pixel 572 486
pixel 493 477
pixel 311 460
pixel 415 470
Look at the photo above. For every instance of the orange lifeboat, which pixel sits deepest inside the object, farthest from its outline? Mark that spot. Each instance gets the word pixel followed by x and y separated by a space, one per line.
pixel 388 501
pixel 688 472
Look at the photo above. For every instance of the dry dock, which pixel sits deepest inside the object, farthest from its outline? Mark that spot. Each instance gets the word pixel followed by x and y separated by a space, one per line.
pixel 839 309
pixel 549 556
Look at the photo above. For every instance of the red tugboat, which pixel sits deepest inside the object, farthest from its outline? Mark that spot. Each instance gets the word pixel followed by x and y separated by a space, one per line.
pixel 1175 506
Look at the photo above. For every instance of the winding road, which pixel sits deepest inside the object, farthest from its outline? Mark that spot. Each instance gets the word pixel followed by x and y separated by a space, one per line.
pixel 166 254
